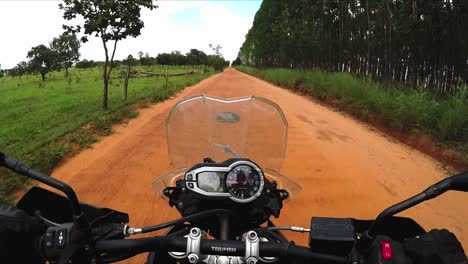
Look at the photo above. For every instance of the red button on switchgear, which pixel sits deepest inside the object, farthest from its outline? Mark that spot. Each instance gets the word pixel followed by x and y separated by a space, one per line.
pixel 386 250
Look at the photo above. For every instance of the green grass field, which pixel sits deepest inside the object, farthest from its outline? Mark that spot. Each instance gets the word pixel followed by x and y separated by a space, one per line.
pixel 35 114
pixel 411 110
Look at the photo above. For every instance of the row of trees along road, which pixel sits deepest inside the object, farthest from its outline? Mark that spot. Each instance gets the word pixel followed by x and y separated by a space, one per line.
pixel 61 53
pixel 413 42
pixel 193 57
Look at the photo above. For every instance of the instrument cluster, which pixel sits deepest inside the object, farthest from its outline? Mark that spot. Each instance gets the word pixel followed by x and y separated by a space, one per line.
pixel 240 180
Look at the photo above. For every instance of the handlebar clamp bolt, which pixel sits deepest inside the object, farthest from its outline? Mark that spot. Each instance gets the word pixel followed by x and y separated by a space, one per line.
pixel 251 260
pixel 195 232
pixel 193 258
pixel 252 235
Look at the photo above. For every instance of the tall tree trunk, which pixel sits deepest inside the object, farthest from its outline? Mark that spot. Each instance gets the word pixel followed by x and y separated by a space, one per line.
pixel 414 51
pixel 106 85
pixel 105 75
pixel 126 83
pixel 368 33
pixel 107 69
pixel 340 36
pixel 386 60
pixel 66 71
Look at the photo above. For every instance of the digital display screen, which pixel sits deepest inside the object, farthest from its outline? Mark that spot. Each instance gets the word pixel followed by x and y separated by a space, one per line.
pixel 211 181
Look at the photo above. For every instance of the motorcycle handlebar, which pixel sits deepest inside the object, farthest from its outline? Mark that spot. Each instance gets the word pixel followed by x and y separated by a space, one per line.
pixel 211 247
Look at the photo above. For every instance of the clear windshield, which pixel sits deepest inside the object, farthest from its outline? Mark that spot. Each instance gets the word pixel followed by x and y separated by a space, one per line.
pixel 204 126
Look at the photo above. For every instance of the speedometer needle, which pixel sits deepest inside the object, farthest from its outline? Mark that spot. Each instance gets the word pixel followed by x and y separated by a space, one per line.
pixel 238 182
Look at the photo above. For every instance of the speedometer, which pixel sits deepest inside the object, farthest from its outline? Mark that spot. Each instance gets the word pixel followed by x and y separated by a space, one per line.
pixel 240 180
pixel 244 183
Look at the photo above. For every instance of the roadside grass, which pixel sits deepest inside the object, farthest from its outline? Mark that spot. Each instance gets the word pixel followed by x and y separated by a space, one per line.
pixel 409 110
pixel 43 122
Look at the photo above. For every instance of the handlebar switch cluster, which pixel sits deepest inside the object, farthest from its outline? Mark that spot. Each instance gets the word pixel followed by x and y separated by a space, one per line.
pixel 55 240
pixel 384 250
pixel 49 238
pixel 61 238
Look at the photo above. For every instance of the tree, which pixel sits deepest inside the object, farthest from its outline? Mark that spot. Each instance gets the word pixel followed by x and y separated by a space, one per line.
pixel 42 60
pixel 85 64
pixel 196 57
pixel 216 49
pixel 68 48
pixel 111 20
pixel 164 58
pixel 177 58
pixel 147 60
pixel 19 70
pixel 128 62
pixel 218 63
pixel 217 60
pixel 237 62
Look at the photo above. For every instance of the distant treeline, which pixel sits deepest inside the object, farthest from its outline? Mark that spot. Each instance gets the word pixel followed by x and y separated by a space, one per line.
pixel 194 57
pixel 413 42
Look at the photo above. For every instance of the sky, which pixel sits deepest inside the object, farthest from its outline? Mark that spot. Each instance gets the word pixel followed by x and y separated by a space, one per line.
pixel 174 25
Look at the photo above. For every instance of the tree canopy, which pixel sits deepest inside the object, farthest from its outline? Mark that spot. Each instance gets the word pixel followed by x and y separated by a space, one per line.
pixel 42 60
pixel 193 57
pixel 19 70
pixel 85 64
pixel 147 60
pixel 67 46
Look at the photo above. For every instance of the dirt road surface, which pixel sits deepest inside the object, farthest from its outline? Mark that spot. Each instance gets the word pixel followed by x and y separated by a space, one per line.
pixel 346 169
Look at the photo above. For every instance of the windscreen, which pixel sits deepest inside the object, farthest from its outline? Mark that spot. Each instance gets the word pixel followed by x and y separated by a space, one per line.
pixel 203 126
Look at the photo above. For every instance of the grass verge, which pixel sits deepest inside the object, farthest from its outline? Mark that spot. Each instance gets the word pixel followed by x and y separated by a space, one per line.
pixel 44 122
pixel 410 111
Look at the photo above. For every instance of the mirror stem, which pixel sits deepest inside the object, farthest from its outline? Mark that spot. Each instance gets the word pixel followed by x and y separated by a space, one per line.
pixel 430 193
pixel 23 169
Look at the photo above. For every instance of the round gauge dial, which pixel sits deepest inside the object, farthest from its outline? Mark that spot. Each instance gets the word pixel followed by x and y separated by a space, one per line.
pixel 243 182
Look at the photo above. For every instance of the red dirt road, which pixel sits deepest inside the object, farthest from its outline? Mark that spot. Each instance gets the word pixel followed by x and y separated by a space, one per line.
pixel 346 169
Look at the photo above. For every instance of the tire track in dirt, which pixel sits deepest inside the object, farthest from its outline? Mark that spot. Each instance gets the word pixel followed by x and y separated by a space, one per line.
pixel 345 168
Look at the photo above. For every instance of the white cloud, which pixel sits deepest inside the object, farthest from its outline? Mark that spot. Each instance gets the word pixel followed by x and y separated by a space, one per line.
pixel 25 24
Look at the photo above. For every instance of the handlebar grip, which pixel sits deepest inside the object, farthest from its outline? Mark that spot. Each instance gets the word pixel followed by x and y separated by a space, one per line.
pixel 9 162
pixel 291 250
pixel 142 244
pixel 460 182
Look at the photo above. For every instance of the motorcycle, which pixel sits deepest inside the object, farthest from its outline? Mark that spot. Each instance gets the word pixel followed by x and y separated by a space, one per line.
pixel 227 187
